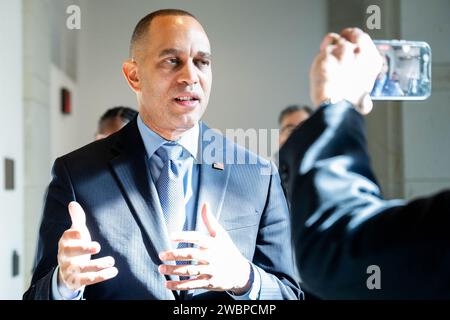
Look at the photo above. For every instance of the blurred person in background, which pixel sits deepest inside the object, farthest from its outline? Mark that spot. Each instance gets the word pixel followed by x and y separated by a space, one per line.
pixel 113 120
pixel 290 118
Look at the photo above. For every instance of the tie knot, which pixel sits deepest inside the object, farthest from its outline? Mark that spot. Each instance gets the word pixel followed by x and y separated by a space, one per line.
pixel 170 151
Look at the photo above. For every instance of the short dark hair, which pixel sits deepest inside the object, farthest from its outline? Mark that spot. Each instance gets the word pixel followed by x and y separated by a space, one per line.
pixel 125 114
pixel 293 108
pixel 141 29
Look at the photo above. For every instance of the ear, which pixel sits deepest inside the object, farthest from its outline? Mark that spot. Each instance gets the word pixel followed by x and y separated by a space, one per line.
pixel 130 71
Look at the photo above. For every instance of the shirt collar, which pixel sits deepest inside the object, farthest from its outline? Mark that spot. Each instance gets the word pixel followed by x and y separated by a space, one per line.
pixel 153 141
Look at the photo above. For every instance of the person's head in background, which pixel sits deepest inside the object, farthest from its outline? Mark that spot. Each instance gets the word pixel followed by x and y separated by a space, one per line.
pixel 113 120
pixel 291 117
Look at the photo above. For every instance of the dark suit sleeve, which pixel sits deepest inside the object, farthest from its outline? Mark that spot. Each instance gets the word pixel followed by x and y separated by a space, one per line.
pixel 55 221
pixel 273 257
pixel 342 225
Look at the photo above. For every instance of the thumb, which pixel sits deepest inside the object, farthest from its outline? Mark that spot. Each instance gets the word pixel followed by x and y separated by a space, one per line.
pixel 78 218
pixel 366 104
pixel 210 221
pixel 77 215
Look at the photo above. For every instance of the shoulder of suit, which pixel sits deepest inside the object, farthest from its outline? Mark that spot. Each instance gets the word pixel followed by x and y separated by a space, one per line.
pixel 107 147
pixel 92 152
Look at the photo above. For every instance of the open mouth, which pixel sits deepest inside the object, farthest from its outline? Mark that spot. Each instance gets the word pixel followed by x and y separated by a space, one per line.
pixel 187 101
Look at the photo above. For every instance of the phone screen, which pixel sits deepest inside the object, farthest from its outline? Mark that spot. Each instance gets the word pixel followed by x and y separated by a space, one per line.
pixel 406 71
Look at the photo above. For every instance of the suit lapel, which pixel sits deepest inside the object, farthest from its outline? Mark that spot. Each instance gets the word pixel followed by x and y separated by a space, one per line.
pixel 132 171
pixel 213 181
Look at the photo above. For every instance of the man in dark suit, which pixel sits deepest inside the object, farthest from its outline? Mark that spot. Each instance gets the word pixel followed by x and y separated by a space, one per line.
pixel 349 241
pixel 141 194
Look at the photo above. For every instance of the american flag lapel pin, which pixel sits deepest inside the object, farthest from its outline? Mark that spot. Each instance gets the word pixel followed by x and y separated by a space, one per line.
pixel 218 166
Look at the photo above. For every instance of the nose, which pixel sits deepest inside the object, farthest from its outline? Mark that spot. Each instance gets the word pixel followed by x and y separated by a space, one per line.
pixel 188 74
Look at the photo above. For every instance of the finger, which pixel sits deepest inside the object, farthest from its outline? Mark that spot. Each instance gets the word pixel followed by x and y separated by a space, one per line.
pixel 210 221
pixel 201 282
pixel 97 264
pixel 352 34
pixel 72 243
pixel 359 37
pixel 88 278
pixel 195 237
pixel 77 215
pixel 78 248
pixel 343 49
pixel 71 234
pixel 329 39
pixel 71 268
pixel 185 254
pixel 184 270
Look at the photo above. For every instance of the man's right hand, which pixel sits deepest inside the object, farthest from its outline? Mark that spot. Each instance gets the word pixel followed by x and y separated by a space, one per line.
pixel 76 269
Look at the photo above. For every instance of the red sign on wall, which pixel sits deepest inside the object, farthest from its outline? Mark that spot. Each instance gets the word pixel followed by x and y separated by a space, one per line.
pixel 66 102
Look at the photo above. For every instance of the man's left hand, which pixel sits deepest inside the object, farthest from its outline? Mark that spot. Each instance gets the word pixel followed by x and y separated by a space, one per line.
pixel 219 266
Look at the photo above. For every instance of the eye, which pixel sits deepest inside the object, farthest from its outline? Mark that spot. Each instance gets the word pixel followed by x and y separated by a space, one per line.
pixel 173 61
pixel 203 62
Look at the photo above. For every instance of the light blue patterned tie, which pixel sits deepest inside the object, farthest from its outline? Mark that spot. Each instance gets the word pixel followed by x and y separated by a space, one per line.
pixel 170 186
pixel 171 190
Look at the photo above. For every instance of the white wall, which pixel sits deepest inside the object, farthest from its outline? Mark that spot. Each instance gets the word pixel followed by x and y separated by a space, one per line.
pixel 46 43
pixel 11 146
pixel 36 75
pixel 262 50
pixel 426 126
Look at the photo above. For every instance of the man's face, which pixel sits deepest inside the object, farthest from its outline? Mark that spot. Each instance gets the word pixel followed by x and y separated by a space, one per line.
pixel 289 123
pixel 174 67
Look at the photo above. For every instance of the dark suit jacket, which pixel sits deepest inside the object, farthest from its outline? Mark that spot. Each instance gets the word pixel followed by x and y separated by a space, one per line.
pixel 342 225
pixel 109 179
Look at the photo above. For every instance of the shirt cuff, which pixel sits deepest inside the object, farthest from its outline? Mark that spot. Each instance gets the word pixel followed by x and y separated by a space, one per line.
pixel 255 287
pixel 61 292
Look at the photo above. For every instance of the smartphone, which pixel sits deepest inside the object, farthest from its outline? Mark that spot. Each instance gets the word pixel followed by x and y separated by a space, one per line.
pixel 406 72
